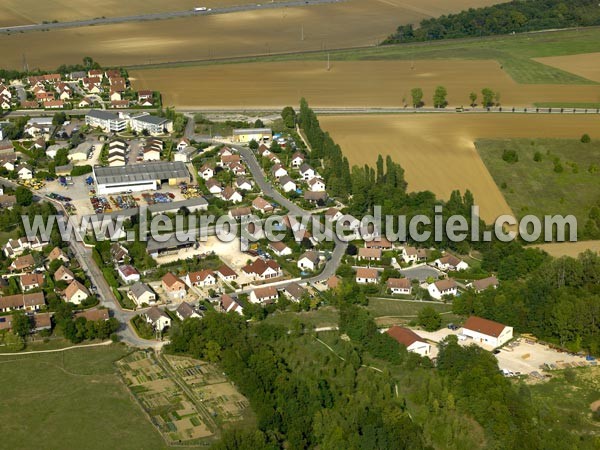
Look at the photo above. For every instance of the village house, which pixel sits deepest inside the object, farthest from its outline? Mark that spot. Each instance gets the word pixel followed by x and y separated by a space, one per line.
pixel 76 292
pixel 294 292
pixel 206 172
pixel 333 282
pixel 399 286
pixel 141 294
pixel 24 172
pixel 157 318
pixel 307 172
pixel 379 242
pixel 228 160
pixel 58 253
pixel 214 186
pixel 228 304
pixel 278 171
pixel 308 260
pixel 94 315
pixel 365 275
pixel 273 158
pixel 227 273
pixel 240 213
pixel 23 264
pixel 263 270
pixel 173 286
pixel 279 248
pixel 243 184
pixel 411 340
pixel 483 284
pixel 151 154
pixel 128 274
pixel 315 197
pixel 333 215
pixel 287 184
pixel 229 194
pixel 442 287
pixel 260 204
pixel 16 247
pixel 30 281
pixel 316 185
pixel 487 332
pixel 409 255
pixel 26 302
pixel 203 278
pixel 63 274
pixel 369 254
pixel 118 253
pixel 297 159
pixel 264 295
pixel 185 311
pixel 450 263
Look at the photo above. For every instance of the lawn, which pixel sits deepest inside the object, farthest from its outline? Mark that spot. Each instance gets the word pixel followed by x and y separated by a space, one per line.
pixel 532 187
pixel 577 389
pixel 71 399
pixel 322 317
pixel 408 309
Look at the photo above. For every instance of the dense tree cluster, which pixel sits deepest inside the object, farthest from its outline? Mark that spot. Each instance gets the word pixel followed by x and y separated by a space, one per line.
pixel 504 18
pixel 559 301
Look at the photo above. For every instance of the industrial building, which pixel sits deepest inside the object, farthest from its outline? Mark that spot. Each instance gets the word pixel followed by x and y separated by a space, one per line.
pixel 260 135
pixel 139 177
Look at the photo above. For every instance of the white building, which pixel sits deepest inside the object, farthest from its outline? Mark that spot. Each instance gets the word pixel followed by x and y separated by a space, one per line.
pixel 487 332
pixel 107 121
pixel 411 340
pixel 157 318
pixel 152 124
pixel 442 287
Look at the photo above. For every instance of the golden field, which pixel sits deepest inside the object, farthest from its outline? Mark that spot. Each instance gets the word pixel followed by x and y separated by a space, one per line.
pixel 571 249
pixel 21 12
pixel 585 65
pixel 346 24
pixel 437 151
pixel 347 83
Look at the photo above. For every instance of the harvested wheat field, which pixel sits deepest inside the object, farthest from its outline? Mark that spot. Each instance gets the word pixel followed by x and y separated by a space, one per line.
pixel 345 24
pixel 585 65
pixel 437 151
pixel 22 12
pixel 347 83
pixel 571 249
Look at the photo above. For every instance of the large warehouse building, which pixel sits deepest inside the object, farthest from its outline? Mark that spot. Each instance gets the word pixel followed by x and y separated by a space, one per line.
pixel 139 177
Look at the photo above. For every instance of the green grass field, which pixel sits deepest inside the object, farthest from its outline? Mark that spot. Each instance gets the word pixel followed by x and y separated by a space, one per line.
pixel 71 399
pixel 576 394
pixel 534 187
pixel 383 307
pixel 322 317
pixel 515 53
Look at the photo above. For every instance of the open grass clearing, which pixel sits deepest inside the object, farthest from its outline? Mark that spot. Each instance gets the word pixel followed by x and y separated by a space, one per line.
pixel 346 84
pixel 399 308
pixel 577 390
pixel 437 151
pixel 323 317
pixel 71 399
pixel 532 187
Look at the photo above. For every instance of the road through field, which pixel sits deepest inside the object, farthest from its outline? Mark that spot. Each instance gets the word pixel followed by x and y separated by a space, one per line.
pixel 437 150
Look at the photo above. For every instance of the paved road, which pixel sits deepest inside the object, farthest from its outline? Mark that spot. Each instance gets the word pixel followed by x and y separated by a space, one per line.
pixel 163 15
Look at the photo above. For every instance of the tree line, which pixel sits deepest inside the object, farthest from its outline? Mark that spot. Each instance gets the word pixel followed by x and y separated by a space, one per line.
pixel 505 18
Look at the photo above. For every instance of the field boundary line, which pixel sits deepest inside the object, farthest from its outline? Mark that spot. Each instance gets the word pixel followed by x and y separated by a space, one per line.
pixel 37 352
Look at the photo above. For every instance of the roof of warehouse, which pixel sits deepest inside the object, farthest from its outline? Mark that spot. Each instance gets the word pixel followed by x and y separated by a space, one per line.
pixel 153 120
pixel 140 172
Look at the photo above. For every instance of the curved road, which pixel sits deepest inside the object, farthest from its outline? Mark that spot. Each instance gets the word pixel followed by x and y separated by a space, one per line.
pixel 163 15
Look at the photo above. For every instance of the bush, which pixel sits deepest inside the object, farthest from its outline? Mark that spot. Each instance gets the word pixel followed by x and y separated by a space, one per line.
pixel 586 139
pixel 558 167
pixel 537 157
pixel 81 170
pixel 510 156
